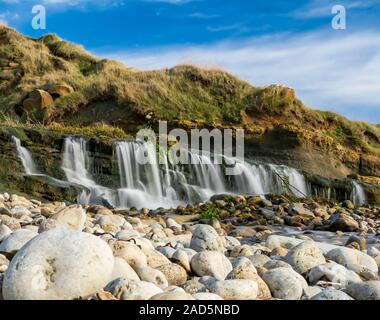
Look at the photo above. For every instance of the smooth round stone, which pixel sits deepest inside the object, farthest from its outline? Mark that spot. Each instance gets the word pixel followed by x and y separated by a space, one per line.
pixel 174 273
pixel 230 242
pixel 241 251
pixel 182 258
pixel 365 290
pixel 126 235
pixel 124 289
pixel 4 231
pixel 131 253
pixel 211 263
pixel 172 295
pixel 205 238
pixel 16 240
pixel 347 257
pixel 155 276
pixel 166 251
pixel 206 296
pixel 121 269
pixel 333 272
pixel 273 264
pixel 59 264
pixel 73 217
pixel 305 256
pixel 156 259
pixel 258 260
pixel 194 286
pixel 331 294
pixel 283 283
pixel 244 269
pixel 239 289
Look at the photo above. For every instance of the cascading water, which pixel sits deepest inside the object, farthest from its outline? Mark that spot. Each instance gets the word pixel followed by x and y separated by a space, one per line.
pixel 358 194
pixel 25 157
pixel 165 185
pixel 156 182
pixel 74 164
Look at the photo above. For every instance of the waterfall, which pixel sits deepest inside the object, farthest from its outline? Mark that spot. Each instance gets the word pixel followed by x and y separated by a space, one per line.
pixel 25 157
pixel 155 185
pixel 358 197
pixel 74 164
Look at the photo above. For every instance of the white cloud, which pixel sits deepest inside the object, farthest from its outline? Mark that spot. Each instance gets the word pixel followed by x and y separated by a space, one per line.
pixel 329 70
pixel 322 8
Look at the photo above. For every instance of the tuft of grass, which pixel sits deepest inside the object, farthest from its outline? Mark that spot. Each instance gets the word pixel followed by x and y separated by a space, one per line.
pixel 211 212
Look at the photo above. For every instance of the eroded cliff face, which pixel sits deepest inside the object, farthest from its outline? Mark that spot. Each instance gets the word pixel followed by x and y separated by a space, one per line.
pixel 324 173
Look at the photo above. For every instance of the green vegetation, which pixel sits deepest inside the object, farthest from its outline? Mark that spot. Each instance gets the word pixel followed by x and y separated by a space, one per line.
pixel 211 212
pixel 110 97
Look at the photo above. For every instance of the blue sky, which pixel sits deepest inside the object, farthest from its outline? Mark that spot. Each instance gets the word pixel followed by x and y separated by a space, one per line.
pixel 288 42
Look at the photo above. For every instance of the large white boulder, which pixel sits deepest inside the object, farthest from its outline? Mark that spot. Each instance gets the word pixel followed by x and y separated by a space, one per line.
pixel 59 264
pixel 205 238
pixel 211 263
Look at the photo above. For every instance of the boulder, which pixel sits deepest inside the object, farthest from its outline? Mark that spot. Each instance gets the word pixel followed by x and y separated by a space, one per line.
pixel 38 104
pixel 205 238
pixel 305 256
pixel 122 269
pixel 239 289
pixel 365 290
pixel 347 257
pixel 125 289
pixel 174 273
pixel 333 272
pixel 284 283
pixel 59 264
pixel 60 90
pixel 73 217
pixel 342 222
pixel 16 240
pixel 155 276
pixel 331 294
pixel 211 263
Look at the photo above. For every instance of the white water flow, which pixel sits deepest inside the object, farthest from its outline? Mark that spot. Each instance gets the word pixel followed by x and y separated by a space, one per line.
pixel 154 185
pixel 74 164
pixel 150 180
pixel 359 197
pixel 25 157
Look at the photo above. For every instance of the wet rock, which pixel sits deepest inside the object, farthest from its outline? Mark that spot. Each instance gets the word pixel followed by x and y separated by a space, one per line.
pixel 235 289
pixel 305 256
pixel 299 210
pixel 59 264
pixel 205 238
pixel 364 291
pixel 331 294
pixel 124 289
pixel 211 263
pixel 342 222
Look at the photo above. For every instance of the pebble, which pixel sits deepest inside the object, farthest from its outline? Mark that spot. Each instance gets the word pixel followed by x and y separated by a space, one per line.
pixel 239 289
pixel 125 289
pixel 16 240
pixel 331 294
pixel 205 238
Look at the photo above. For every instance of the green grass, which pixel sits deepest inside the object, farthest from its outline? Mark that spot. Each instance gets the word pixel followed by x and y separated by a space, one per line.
pixel 211 212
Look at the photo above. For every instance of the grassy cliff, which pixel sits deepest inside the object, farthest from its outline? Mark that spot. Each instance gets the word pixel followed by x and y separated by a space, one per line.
pixel 53 84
